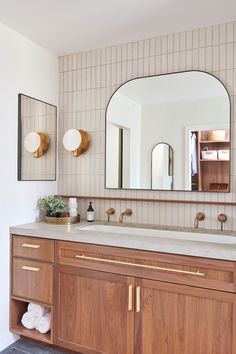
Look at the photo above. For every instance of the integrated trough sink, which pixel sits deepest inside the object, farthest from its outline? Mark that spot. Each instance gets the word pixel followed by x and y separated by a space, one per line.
pixel 161 234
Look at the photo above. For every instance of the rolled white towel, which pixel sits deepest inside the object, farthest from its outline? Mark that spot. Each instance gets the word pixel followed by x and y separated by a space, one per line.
pixel 28 320
pixel 37 310
pixel 44 323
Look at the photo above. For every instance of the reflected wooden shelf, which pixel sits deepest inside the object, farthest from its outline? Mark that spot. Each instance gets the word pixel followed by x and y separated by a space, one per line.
pixel 213 141
pixel 216 160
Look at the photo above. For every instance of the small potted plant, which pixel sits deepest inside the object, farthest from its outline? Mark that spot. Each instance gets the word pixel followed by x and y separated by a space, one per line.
pixel 54 208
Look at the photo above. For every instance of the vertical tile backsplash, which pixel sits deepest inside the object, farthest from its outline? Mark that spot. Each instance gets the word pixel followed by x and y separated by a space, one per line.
pixel 88 79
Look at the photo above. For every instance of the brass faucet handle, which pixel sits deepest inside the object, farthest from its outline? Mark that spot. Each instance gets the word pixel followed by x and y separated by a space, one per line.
pixel 200 216
pixel 128 212
pixel 222 217
pixel 110 211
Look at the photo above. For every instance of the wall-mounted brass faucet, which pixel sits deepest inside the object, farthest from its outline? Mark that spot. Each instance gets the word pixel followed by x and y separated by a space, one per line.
pixel 110 211
pixel 199 217
pixel 127 212
pixel 222 219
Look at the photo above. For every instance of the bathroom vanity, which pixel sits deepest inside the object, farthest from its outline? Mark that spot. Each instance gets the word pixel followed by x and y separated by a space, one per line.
pixel 125 293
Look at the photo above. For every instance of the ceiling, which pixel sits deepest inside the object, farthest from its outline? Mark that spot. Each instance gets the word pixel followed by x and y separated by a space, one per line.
pixel 69 26
pixel 190 85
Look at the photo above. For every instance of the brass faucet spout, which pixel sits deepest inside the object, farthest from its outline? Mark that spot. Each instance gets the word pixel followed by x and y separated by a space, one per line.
pixel 127 212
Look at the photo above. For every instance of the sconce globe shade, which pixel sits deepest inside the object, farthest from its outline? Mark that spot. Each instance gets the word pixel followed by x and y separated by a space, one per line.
pixel 32 142
pixel 72 139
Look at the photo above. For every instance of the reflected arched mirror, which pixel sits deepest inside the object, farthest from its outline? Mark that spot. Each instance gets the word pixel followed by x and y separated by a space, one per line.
pixel 188 110
pixel 162 166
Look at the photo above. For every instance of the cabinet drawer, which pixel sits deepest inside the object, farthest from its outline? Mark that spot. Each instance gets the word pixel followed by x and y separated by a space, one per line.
pixel 187 270
pixel 32 280
pixel 33 248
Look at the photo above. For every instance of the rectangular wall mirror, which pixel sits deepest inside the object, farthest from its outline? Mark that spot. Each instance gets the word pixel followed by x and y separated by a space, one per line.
pixel 37 139
pixel 169 132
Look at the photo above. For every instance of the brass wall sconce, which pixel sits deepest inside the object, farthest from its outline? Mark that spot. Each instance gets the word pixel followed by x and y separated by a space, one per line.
pixel 36 143
pixel 76 140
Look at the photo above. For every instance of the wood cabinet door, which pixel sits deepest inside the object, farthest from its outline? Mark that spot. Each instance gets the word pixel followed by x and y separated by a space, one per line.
pixel 93 313
pixel 176 319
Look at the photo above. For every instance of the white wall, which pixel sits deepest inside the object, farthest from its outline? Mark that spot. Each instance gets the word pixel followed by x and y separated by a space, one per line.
pixel 29 69
pixel 168 122
pixel 119 109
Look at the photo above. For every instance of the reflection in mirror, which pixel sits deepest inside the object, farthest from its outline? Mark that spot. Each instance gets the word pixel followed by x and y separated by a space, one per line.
pixel 162 167
pixel 189 111
pixel 37 125
pixel 37 143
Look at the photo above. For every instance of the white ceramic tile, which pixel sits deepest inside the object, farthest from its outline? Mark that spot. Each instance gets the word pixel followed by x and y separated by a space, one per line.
pixel 134 50
pixel 230 32
pixel 223 34
pixel 223 60
pixel 146 48
pixel 176 62
pixel 158 45
pixel 146 70
pixel 209 61
pixel 164 63
pixel 216 58
pixel 189 40
pixel 129 51
pixel 196 39
pixel 152 47
pixel 170 62
pixel 202 59
pixel 216 35
pixel 182 41
pixel 209 36
pixel 189 60
pixel 164 45
pixel 61 64
pixel 65 61
pixel 87 81
pixel 230 56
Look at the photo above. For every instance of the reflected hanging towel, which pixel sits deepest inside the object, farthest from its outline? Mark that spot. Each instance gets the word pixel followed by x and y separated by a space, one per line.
pixel 194 165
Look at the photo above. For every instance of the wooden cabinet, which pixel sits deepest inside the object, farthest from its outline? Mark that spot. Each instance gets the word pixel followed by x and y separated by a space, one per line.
pixel 110 300
pixel 93 312
pixel 168 318
pixel 33 248
pixel 177 319
pixel 32 273
pixel 32 280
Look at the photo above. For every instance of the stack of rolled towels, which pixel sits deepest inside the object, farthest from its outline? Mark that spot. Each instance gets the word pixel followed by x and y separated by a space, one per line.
pixel 37 317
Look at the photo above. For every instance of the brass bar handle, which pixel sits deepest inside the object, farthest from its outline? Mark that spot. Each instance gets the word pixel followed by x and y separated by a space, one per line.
pixel 32 269
pixel 138 299
pixel 198 273
pixel 130 298
pixel 30 245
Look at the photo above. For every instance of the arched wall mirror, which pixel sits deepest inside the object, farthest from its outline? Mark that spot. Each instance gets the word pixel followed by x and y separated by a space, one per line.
pixel 162 167
pixel 189 111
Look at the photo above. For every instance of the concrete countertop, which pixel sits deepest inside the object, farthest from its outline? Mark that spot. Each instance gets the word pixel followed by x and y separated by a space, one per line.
pixel 188 247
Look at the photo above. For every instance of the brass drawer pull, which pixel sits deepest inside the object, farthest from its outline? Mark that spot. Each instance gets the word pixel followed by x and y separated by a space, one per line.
pixel 32 269
pixel 130 298
pixel 138 300
pixel 198 273
pixel 30 245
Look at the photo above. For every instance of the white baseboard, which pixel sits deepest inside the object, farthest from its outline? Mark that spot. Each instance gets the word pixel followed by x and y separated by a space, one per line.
pixel 7 339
